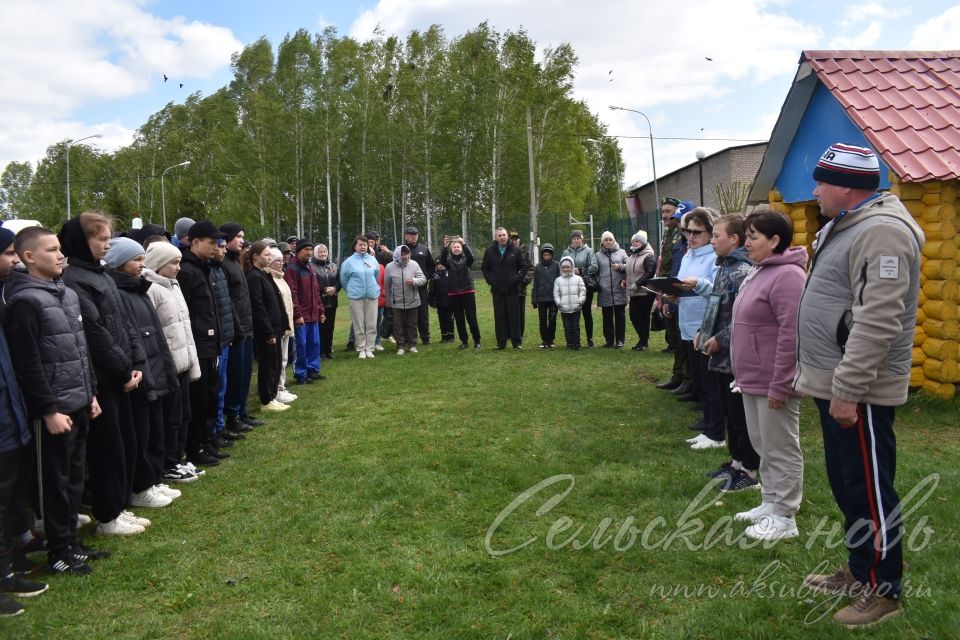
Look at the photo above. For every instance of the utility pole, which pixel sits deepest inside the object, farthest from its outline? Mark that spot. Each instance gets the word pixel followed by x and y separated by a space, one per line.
pixel 534 251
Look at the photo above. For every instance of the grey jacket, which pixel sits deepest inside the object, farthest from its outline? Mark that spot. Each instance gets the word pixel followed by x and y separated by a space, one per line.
pixel 610 281
pixel 167 299
pixel 859 306
pixel 400 295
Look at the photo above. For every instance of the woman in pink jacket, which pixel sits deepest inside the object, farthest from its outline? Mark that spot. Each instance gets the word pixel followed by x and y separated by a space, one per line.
pixel 763 351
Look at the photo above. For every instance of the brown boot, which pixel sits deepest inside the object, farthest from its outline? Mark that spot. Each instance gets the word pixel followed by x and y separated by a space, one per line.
pixel 839 583
pixel 868 610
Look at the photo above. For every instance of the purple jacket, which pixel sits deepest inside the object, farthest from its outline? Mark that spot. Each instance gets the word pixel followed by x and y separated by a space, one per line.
pixel 305 290
pixel 763 342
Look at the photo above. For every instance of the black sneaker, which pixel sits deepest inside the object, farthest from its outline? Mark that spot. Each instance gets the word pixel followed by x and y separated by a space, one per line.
pixel 591 344
pixel 35 545
pixel 351 346
pixel 202 458
pixel 739 481
pixel 20 587
pixel 725 469
pixel 63 563
pixel 476 346
pixel 89 553
pixel 240 428
pixel 251 422
pixel 463 345
pixel 219 442
pixel 231 435
pixel 216 453
pixel 9 608
pixel 21 564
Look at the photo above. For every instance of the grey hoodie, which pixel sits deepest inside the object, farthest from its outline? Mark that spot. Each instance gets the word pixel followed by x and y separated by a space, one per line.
pixel 859 306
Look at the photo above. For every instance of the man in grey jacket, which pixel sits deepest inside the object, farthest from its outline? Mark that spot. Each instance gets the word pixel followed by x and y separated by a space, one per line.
pixel 855 337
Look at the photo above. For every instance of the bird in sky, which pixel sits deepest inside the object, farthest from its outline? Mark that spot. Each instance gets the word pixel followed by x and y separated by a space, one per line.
pixel 708 59
pixel 165 78
pixel 609 72
pixel 181 85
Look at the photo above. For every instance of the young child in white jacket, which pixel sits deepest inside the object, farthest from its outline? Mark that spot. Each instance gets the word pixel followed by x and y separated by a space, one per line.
pixel 569 292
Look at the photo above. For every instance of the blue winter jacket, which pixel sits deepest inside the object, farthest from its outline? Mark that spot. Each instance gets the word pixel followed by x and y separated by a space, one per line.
pixel 358 275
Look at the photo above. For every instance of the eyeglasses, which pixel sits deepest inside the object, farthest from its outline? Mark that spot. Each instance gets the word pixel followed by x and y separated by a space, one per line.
pixel 693 232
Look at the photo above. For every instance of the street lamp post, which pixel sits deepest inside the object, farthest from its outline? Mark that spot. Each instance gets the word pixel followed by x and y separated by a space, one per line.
pixel 653 157
pixel 617 160
pixel 163 193
pixel 70 143
pixel 700 156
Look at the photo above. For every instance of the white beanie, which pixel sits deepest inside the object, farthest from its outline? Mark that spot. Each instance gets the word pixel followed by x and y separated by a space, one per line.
pixel 640 235
pixel 160 254
pixel 607 234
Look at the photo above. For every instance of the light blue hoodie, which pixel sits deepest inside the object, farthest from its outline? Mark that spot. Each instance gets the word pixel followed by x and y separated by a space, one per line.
pixel 701 263
pixel 358 275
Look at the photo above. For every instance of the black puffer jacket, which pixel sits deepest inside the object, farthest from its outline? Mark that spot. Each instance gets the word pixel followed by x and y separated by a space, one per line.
pixel 459 278
pixel 194 279
pixel 269 316
pixel 544 275
pixel 159 374
pixel 225 308
pixel 115 348
pixel 240 295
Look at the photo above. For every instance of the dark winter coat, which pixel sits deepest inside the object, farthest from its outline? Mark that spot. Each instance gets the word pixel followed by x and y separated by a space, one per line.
pixel 328 275
pixel 731 271
pixel 305 289
pixel 544 276
pixel 14 432
pixel 48 346
pixel 420 253
pixel 225 308
pixel 239 295
pixel 114 347
pixel 459 278
pixel 159 373
pixel 194 279
pixel 269 316
pixel 504 273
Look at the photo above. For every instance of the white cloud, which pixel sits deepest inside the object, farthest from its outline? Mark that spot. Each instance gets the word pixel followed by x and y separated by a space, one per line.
pixel 657 51
pixel 939 32
pixel 58 56
pixel 863 39
pixel 859 13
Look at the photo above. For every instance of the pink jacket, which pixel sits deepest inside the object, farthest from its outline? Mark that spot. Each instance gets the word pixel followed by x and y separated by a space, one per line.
pixel 763 342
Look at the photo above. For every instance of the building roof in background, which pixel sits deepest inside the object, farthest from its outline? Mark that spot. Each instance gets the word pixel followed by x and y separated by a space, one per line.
pixel 907 103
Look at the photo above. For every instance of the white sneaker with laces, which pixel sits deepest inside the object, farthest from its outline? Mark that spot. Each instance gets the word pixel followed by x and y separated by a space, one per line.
pixel 170 492
pixel 708 443
pixel 378 347
pixel 363 355
pixel 193 469
pixel 413 350
pixel 370 354
pixel 400 352
pixel 273 405
pixel 149 498
pixel 773 527
pixel 696 438
pixel 130 516
pixel 286 397
pixel 119 527
pixel 751 516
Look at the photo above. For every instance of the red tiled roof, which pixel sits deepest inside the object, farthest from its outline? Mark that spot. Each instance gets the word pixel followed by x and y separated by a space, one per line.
pixel 907 103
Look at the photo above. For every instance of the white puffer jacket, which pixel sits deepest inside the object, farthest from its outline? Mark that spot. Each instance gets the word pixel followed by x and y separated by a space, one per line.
pixel 175 319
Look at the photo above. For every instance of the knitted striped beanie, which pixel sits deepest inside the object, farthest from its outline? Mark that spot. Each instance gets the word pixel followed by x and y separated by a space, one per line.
pixel 846 165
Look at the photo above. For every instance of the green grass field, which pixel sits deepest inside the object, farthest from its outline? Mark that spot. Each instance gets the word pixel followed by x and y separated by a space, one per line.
pixel 366 511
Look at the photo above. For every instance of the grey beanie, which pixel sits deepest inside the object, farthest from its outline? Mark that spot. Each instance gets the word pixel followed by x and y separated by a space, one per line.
pixel 123 250
pixel 182 227
pixel 160 254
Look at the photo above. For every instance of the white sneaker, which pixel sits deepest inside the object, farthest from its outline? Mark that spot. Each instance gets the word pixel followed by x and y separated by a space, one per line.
pixel 193 469
pixel 370 354
pixel 119 527
pixel 130 516
pixel 773 527
pixel 751 516
pixel 286 397
pixel 413 350
pixel 83 520
pixel 378 348
pixel 170 492
pixel 273 405
pixel 696 438
pixel 392 339
pixel 400 352
pixel 708 443
pixel 363 355
pixel 149 498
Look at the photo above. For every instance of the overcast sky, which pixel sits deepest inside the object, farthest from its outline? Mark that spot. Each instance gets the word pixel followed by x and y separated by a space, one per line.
pixel 72 68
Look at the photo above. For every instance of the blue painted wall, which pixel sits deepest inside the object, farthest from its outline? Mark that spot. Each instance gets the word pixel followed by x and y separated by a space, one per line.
pixel 823 123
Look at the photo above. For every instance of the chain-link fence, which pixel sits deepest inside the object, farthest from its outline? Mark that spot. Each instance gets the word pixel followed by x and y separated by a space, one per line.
pixel 553 227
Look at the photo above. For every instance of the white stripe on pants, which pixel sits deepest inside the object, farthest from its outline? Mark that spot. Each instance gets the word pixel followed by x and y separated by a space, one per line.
pixel 775 435
pixel 363 314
